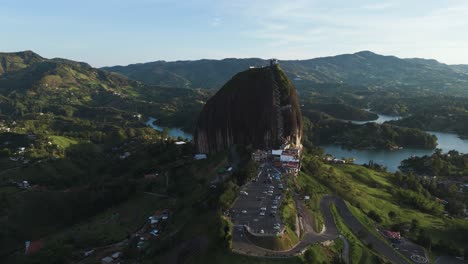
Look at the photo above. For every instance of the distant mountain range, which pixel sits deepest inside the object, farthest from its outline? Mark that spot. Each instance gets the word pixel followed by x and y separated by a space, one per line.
pixel 361 68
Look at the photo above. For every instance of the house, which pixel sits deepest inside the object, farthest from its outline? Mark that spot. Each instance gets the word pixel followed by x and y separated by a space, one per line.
pixel 24 185
pixel 32 247
pixel 392 234
pixel 276 152
pixel 259 155
pixel 200 156
pixel 286 157
pixel 291 167
pixel 339 161
pixel 88 253
pixel 125 155
pixel 107 260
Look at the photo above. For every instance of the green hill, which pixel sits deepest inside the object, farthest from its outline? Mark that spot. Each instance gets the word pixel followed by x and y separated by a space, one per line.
pixel 30 84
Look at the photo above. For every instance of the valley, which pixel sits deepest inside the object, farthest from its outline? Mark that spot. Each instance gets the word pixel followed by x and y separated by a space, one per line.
pixel 92 155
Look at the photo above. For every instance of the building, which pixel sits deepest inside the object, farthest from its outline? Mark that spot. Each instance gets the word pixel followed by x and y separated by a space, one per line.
pixel 32 247
pixel 107 260
pixel 392 235
pixel 259 155
pixel 200 156
pixel 273 62
pixel 291 167
pixel 276 152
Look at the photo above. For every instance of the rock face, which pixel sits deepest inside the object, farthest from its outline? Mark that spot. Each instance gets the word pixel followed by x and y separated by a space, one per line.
pixel 257 107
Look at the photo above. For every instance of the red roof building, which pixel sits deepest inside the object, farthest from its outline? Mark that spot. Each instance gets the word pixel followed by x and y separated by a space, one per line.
pixel 33 246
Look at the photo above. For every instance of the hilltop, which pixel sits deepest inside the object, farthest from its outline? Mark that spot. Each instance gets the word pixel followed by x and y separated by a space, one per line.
pixel 257 107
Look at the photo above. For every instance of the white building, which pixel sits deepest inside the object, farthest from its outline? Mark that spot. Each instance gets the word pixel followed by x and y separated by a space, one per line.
pixel 200 156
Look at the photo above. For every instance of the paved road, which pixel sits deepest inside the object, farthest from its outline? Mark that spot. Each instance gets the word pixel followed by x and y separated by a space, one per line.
pixel 345 253
pixel 242 245
pixel 449 260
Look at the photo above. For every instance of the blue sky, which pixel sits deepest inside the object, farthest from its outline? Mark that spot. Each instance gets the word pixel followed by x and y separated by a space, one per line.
pixel 117 32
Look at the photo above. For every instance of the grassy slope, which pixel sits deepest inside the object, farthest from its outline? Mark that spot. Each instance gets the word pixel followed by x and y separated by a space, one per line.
pixel 311 187
pixel 370 190
pixel 358 252
pixel 282 242
pixel 63 142
pixel 114 224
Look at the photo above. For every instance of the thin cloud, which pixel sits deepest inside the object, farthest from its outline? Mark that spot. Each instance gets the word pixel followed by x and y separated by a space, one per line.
pixel 216 21
pixel 379 6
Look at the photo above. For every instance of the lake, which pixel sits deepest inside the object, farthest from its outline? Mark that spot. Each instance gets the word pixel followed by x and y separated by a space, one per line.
pixel 392 158
pixel 389 158
pixel 380 120
pixel 172 132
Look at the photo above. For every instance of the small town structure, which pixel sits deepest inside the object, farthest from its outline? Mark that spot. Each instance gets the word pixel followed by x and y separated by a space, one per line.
pixel 259 155
pixel 32 247
pixel 107 260
pixel 200 156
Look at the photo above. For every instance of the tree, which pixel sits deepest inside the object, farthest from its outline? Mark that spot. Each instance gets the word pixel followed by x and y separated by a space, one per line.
pixel 374 216
pixel 392 215
pixel 309 256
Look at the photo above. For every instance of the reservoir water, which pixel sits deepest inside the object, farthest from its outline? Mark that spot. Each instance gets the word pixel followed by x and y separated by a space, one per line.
pixel 392 158
pixel 389 158
pixel 172 132
pixel 380 120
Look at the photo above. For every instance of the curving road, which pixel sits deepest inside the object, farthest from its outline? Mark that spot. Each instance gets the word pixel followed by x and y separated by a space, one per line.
pixel 242 245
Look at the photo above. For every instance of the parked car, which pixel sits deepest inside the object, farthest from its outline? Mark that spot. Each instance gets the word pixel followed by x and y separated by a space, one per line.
pixel 154 232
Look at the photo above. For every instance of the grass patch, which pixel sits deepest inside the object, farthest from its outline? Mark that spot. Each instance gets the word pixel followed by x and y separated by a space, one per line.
pixel 227 257
pixel 372 190
pixel 288 212
pixel 114 224
pixel 280 242
pixel 358 252
pixel 63 142
pixel 9 190
pixel 311 187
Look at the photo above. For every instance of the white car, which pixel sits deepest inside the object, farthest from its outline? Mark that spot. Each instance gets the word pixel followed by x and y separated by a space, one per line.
pixel 244 211
pixel 262 213
pixel 262 231
pixel 276 227
pixel 244 193
pixel 263 208
pixel 154 232
pixel 274 207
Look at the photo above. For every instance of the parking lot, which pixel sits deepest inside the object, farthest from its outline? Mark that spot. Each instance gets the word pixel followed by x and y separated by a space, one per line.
pixel 258 203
